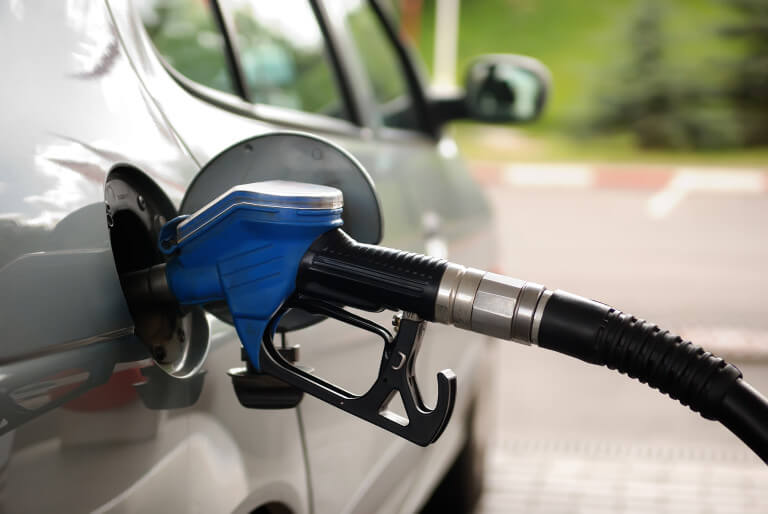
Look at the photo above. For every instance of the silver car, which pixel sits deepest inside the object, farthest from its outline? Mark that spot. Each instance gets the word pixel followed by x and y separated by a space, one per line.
pixel 109 111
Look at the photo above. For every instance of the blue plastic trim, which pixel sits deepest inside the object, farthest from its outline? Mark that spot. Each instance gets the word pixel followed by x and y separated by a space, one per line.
pixel 245 254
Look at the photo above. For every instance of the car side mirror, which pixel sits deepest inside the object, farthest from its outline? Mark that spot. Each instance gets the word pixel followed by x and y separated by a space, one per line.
pixel 501 88
pixel 498 88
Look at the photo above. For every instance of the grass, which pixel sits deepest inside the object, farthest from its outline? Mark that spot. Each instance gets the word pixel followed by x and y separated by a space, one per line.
pixel 494 143
pixel 583 43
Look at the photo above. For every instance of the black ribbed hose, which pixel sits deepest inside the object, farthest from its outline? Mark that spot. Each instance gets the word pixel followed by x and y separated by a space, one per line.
pixel 599 334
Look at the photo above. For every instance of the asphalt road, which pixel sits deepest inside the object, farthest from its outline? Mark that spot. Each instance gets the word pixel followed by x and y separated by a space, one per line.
pixel 571 437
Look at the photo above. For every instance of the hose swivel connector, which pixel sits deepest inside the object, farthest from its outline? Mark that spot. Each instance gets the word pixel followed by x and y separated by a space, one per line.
pixel 484 302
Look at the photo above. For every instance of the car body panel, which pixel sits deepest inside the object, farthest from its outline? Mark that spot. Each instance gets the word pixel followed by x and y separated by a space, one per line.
pixel 116 104
pixel 79 111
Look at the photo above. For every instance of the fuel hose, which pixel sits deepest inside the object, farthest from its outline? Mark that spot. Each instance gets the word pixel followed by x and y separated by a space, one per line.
pixel 250 256
pixel 338 268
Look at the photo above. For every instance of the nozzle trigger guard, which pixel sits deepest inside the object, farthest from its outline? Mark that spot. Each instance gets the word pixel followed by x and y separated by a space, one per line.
pixel 396 376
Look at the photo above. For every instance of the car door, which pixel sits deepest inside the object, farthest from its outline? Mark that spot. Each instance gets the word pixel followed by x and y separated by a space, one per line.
pixel 210 114
pixel 353 466
pixel 430 203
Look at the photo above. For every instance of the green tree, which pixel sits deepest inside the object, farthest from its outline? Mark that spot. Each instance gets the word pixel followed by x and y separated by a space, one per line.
pixel 644 97
pixel 747 88
pixel 669 102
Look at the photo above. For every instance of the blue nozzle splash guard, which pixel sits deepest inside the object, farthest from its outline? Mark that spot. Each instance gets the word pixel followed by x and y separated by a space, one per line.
pixel 245 246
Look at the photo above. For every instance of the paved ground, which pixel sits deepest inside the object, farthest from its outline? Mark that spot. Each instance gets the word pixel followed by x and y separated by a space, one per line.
pixel 576 438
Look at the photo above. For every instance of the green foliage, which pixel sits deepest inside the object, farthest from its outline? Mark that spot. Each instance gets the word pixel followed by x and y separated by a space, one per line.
pixel 376 55
pixel 661 103
pixel 281 71
pixel 497 143
pixel 747 87
pixel 382 67
pixel 643 97
pixel 585 45
pixel 723 103
pixel 278 69
pixel 187 37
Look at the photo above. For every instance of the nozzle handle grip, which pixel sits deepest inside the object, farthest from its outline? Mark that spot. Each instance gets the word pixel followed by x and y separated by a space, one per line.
pixel 338 268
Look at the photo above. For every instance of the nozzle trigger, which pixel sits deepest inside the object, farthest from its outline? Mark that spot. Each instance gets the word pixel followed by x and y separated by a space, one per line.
pixel 396 376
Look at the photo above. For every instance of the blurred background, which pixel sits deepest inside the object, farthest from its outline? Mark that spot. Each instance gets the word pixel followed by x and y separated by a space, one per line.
pixel 644 185
pixel 646 80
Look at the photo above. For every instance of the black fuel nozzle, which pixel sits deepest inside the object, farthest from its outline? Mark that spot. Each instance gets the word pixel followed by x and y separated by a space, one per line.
pixel 337 268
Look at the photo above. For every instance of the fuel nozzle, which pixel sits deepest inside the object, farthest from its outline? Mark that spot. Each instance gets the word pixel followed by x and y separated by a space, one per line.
pixel 258 244
pixel 372 277
pixel 244 248
pixel 250 247
pixel 266 247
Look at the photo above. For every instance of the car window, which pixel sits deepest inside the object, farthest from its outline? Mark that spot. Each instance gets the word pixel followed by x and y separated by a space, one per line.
pixel 284 57
pixel 382 65
pixel 186 34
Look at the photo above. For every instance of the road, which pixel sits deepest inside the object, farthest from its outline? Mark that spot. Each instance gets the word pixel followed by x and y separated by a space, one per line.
pixel 571 437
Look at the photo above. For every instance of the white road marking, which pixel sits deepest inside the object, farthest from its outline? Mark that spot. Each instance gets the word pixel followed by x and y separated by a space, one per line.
pixel 549 175
pixel 661 203
pixel 688 180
